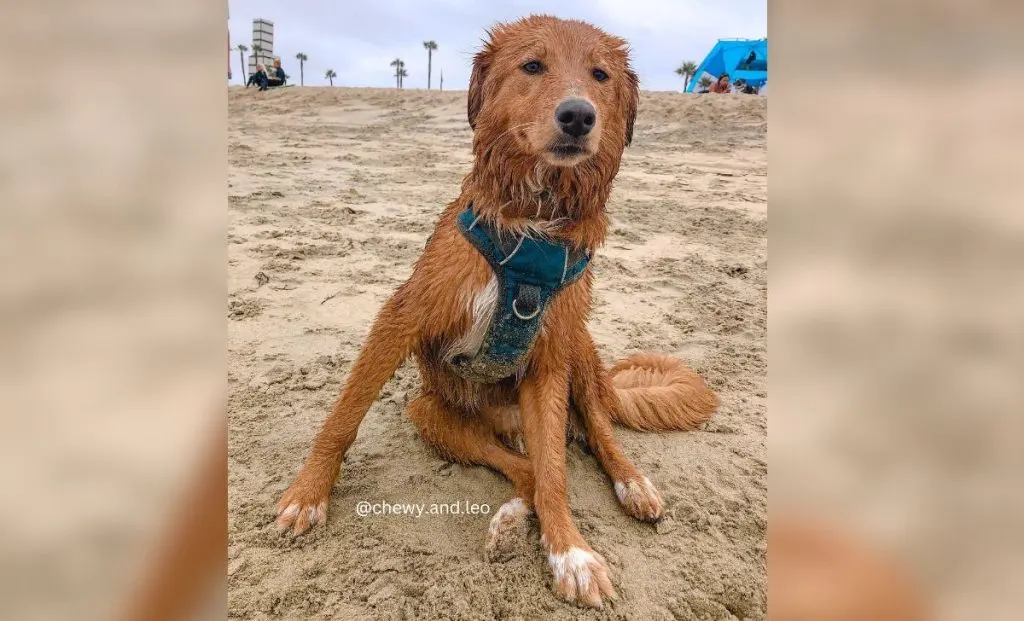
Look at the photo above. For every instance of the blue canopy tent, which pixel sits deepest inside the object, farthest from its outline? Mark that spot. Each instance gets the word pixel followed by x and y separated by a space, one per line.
pixel 742 59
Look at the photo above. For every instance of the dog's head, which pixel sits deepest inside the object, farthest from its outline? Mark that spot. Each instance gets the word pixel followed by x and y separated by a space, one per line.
pixel 560 92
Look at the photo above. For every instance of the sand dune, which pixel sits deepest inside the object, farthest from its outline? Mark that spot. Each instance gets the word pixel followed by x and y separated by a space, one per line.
pixel 332 195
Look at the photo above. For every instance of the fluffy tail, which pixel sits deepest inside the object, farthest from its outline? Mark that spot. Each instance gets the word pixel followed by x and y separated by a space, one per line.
pixel 660 393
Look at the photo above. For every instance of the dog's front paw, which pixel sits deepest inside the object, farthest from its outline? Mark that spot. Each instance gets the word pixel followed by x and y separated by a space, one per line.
pixel 640 499
pixel 301 507
pixel 508 526
pixel 581 576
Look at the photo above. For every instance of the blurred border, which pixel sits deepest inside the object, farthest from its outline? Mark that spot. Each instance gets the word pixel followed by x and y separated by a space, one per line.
pixel 895 315
pixel 112 306
pixel 895 310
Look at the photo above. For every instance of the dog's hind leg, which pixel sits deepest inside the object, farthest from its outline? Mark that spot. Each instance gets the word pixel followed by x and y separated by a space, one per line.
pixel 389 344
pixel 469 440
pixel 595 398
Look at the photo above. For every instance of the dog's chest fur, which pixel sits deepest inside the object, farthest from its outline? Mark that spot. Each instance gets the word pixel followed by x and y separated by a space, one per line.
pixel 476 304
pixel 495 403
pixel 480 306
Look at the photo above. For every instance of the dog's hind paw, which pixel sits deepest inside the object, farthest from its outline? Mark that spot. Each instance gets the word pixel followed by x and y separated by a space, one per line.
pixel 640 499
pixel 508 526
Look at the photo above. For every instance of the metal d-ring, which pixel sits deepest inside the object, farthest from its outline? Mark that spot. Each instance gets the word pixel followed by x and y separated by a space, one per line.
pixel 515 311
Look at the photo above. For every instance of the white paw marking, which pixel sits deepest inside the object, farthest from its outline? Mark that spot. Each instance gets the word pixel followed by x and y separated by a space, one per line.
pixel 505 528
pixel 572 563
pixel 512 510
pixel 640 498
pixel 627 492
pixel 316 514
pixel 621 491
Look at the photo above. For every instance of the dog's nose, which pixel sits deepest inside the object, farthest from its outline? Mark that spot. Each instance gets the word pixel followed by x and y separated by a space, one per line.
pixel 576 117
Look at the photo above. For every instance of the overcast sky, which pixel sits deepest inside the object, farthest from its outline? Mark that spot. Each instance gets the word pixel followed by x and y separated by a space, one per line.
pixel 359 38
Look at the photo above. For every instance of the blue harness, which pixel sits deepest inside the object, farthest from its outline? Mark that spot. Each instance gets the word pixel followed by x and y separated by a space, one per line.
pixel 530 272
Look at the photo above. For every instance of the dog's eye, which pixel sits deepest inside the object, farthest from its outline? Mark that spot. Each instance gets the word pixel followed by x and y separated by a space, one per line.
pixel 533 67
pixel 599 75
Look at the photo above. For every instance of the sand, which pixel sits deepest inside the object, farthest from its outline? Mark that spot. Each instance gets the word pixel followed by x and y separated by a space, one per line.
pixel 332 195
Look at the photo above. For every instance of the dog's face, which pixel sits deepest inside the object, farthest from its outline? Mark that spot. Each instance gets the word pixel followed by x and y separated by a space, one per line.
pixel 559 91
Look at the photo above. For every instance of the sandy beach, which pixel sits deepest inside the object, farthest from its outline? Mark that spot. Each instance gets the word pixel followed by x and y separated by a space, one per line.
pixel 332 193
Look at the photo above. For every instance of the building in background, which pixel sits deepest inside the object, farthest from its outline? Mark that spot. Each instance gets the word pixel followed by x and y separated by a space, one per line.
pixel 263 38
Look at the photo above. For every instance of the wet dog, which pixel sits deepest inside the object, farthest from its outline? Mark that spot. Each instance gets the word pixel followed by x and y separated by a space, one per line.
pixel 495 312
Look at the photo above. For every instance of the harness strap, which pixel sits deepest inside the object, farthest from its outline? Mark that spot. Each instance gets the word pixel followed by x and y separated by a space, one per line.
pixel 530 272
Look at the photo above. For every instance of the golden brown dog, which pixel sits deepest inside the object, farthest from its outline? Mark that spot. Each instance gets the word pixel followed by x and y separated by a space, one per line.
pixel 552 103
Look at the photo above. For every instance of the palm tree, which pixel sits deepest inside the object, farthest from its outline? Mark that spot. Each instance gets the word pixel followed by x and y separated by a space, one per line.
pixel 402 75
pixel 398 64
pixel 330 75
pixel 302 58
pixel 431 46
pixel 686 70
pixel 705 83
pixel 242 49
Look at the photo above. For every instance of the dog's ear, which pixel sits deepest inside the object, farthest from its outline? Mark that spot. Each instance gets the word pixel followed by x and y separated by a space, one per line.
pixel 481 64
pixel 632 102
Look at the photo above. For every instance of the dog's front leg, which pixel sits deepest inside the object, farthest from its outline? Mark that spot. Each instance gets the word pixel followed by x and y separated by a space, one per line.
pixel 389 344
pixel 594 396
pixel 580 574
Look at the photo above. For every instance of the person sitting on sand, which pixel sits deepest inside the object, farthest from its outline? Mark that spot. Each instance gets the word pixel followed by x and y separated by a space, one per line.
pixel 277 76
pixel 722 85
pixel 258 78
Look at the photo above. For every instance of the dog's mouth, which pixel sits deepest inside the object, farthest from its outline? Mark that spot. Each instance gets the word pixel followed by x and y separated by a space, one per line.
pixel 567 150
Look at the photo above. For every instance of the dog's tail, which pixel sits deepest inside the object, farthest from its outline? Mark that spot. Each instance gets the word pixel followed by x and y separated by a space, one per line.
pixel 660 393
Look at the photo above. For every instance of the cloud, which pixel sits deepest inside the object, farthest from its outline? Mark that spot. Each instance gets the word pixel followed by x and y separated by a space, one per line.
pixel 686 19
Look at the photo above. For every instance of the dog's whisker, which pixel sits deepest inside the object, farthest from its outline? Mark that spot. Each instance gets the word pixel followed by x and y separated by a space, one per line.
pixel 508 132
